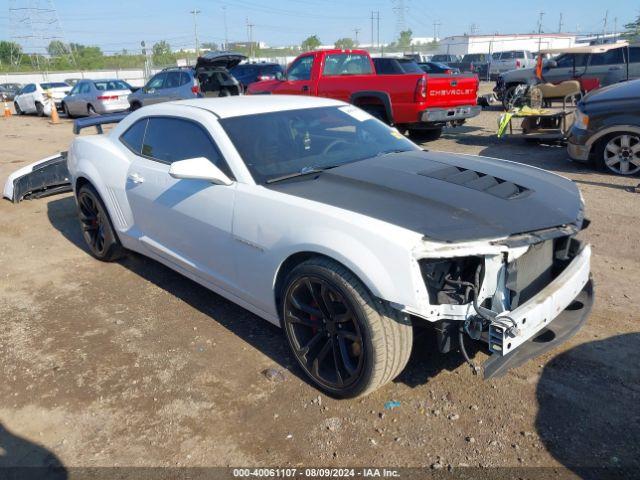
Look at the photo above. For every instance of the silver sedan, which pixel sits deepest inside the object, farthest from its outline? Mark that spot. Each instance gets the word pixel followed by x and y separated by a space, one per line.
pixel 92 97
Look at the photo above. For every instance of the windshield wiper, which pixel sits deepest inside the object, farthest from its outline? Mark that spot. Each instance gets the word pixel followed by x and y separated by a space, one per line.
pixel 303 171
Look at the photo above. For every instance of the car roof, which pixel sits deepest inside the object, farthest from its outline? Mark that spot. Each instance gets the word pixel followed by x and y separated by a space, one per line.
pixel 236 106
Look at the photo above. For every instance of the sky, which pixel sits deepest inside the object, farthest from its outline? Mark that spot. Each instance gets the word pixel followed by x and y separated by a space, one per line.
pixel 117 24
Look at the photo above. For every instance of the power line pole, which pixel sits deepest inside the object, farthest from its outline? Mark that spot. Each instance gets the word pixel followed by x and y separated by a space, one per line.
pixel 378 28
pixel 356 31
pixel 250 33
pixel 604 25
pixel 195 13
pixel 372 37
pixel 226 33
pixel 560 24
pixel 436 26
pixel 540 31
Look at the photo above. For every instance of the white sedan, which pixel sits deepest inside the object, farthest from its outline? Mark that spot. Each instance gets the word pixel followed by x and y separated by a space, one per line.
pixel 319 218
pixel 39 98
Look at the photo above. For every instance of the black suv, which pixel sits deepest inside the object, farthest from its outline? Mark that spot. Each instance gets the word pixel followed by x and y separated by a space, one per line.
pixel 248 73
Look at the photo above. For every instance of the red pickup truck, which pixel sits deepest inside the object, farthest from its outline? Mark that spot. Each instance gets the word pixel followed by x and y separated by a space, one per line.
pixel 416 102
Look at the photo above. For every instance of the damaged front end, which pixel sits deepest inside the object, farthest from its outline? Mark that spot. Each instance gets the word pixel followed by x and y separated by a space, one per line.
pixel 520 296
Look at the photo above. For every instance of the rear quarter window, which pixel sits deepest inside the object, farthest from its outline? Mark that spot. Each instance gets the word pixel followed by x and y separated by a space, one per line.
pixel 134 136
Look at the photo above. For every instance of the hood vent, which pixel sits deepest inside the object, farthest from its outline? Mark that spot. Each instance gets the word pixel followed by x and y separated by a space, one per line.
pixel 478 181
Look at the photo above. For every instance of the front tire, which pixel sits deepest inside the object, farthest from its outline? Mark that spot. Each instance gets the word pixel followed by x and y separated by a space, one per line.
pixel 346 341
pixel 97 229
pixel 39 109
pixel 619 153
pixel 18 110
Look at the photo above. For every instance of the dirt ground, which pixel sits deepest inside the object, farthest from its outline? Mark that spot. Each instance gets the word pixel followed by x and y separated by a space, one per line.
pixel 130 364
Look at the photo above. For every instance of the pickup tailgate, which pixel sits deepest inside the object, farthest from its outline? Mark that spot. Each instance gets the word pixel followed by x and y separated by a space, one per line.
pixel 446 91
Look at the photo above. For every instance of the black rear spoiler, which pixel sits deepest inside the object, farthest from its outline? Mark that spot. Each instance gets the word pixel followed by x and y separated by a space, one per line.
pixel 97 121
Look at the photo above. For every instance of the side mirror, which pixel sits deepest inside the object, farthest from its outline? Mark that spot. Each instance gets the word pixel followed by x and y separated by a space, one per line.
pixel 199 168
pixel 551 64
pixel 280 76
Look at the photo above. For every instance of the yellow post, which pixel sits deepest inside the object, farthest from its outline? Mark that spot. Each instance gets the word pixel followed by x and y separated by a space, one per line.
pixel 54 110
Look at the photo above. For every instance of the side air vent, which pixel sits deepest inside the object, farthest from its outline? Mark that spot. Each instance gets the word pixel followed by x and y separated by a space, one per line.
pixel 478 181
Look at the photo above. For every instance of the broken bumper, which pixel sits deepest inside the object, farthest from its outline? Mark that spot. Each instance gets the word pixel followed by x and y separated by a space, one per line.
pixel 39 179
pixel 550 318
pixel 437 115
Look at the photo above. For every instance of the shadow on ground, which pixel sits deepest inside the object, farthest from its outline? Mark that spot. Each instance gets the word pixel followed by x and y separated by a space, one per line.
pixel 589 407
pixel 260 334
pixel 23 459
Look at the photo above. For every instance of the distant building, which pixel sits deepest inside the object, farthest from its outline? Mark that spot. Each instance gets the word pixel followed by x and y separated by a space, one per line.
pixel 415 41
pixel 463 44
pixel 246 45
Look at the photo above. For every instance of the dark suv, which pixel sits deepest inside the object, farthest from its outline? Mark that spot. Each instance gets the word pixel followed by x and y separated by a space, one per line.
pixel 248 73
pixel 209 78
pixel 606 130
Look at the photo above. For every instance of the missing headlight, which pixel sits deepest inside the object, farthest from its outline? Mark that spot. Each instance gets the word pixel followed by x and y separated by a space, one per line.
pixel 450 281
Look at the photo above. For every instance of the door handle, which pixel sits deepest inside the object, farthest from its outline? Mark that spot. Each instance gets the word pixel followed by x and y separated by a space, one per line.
pixel 136 178
pixel 305 88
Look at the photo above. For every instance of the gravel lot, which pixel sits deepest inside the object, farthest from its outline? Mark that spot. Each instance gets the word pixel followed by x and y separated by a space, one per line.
pixel 131 364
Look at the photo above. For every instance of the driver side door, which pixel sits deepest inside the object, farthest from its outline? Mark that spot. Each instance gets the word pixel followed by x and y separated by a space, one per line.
pixel 298 80
pixel 185 221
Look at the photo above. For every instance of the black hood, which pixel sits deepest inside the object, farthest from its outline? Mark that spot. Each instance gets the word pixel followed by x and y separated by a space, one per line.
pixel 623 91
pixel 446 197
pixel 226 60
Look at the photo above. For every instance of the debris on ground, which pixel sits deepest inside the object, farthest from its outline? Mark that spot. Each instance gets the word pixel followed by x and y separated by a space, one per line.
pixel 274 375
pixel 391 405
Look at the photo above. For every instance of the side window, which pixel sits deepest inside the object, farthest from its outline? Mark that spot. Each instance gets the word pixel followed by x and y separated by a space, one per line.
pixel 172 80
pixel 157 81
pixel 84 88
pixel 566 60
pixel 184 78
pixel 171 139
pixel 301 69
pixel 496 56
pixel 519 54
pixel 134 136
pixel 634 54
pixel 611 57
pixel 29 88
pixel 346 64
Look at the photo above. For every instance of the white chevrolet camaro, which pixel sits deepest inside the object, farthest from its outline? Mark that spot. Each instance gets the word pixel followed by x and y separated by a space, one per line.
pixel 319 218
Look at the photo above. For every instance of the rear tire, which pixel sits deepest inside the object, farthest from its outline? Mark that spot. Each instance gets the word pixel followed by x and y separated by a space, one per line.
pixel 17 107
pixel 91 111
pixel 425 135
pixel 40 109
pixel 65 110
pixel 376 111
pixel 97 229
pixel 135 106
pixel 348 342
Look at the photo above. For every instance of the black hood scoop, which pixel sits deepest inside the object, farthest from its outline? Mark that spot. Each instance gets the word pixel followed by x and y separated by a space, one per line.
pixel 446 197
pixel 477 180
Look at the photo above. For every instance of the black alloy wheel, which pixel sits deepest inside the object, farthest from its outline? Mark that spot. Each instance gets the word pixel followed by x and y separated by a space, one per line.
pixel 96 226
pixel 324 332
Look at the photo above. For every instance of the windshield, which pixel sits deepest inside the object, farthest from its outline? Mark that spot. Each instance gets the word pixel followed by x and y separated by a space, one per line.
pixel 111 85
pixel 292 141
pixel 47 86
